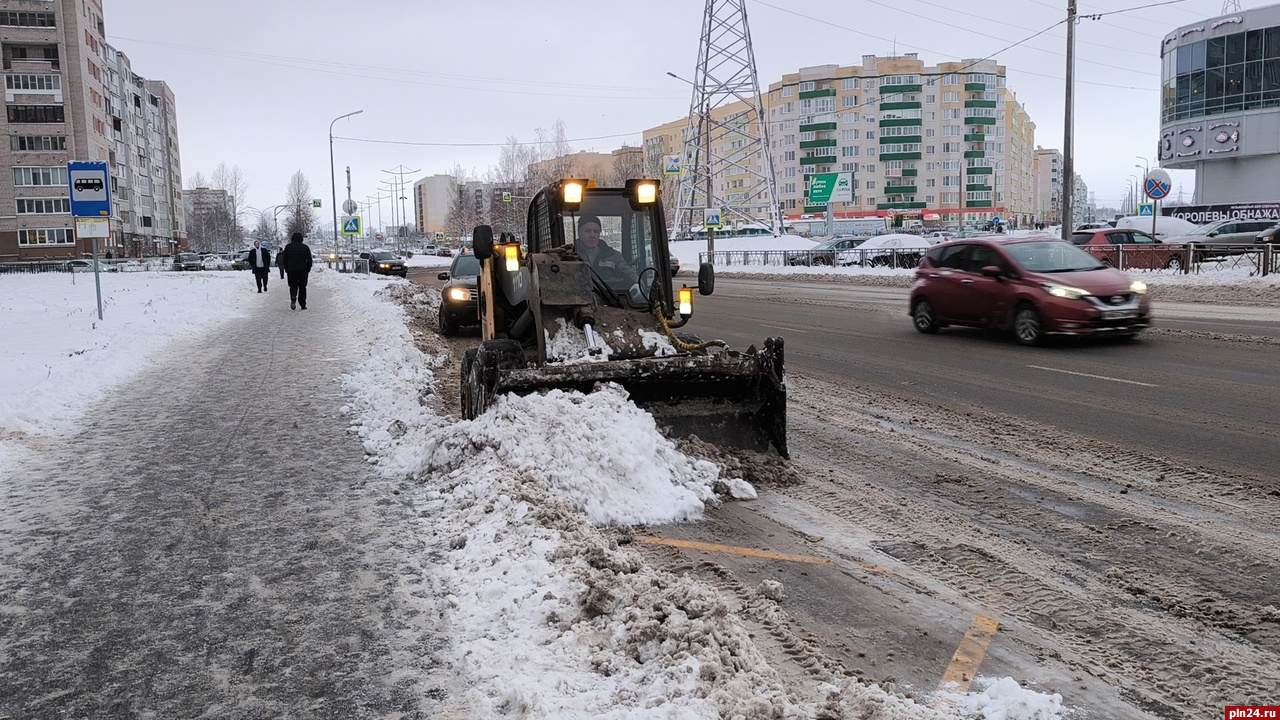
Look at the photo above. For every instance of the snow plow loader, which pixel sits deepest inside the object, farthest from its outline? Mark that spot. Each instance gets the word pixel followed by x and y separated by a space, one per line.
pixel 589 298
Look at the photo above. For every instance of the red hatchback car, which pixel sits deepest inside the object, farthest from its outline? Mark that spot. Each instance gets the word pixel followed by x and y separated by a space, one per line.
pixel 1124 248
pixel 1034 286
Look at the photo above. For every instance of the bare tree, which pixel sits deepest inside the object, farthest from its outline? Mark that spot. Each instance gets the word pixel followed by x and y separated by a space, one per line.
pixel 463 215
pixel 628 164
pixel 554 156
pixel 299 216
pixel 197 180
pixel 264 232
pixel 511 175
pixel 231 182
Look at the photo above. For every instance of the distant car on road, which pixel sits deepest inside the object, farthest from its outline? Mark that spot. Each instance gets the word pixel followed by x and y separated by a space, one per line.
pixel 443 251
pixel 1270 236
pixel 824 253
pixel 384 262
pixel 899 250
pixel 188 261
pixel 458 305
pixel 1225 237
pixel 1032 286
pixel 86 266
pixel 1129 249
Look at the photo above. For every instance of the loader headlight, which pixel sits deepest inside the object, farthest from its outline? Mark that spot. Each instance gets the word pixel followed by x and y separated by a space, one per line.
pixel 1064 291
pixel 512 255
pixel 1138 287
pixel 458 294
pixel 686 301
pixel 571 194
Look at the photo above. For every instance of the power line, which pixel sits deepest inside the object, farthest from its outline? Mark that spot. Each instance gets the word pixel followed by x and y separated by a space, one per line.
pixel 501 144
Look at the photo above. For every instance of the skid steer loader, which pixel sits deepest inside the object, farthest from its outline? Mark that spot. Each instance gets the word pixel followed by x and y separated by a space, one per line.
pixel 588 298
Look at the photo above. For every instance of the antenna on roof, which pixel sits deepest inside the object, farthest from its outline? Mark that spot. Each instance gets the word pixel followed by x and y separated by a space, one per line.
pixel 1230 6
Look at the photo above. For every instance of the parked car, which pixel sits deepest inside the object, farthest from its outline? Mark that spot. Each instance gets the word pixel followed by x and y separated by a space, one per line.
pixel 216 262
pixel 86 266
pixel 899 250
pixel 384 262
pixel 188 261
pixel 675 265
pixel 1123 248
pixel 430 249
pixel 824 253
pixel 1270 236
pixel 240 260
pixel 1166 225
pixel 1225 237
pixel 1032 286
pixel 458 304
pixel 443 251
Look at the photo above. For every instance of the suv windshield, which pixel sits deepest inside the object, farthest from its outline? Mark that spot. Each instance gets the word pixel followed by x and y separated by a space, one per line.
pixel 188 257
pixel 465 266
pixel 384 256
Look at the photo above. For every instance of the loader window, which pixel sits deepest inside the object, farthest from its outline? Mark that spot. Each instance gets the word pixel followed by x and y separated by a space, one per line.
pixel 625 245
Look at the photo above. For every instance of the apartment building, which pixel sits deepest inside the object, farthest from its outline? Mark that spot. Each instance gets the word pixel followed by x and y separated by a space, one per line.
pixel 1048 186
pixel 923 142
pixel 70 96
pixel 432 198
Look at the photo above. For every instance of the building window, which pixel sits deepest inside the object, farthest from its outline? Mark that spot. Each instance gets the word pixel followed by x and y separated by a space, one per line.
pixel 849 83
pixel 46 236
pixel 930 99
pixel 849 167
pixel 807 86
pixel 929 132
pixel 44 206
pixel 849 101
pixel 789 91
pixel 36 114
pixel 38 143
pixel 25 176
pixel 9 18
pixel 33 82
pixel 871 184
pixel 951 96
pixel 951 147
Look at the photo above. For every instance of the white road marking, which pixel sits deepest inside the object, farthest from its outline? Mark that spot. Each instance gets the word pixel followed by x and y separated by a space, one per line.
pixel 1097 377
pixel 782 327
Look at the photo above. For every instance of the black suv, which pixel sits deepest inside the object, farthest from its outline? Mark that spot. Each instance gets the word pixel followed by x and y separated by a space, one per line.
pixel 188 261
pixel 458 304
pixel 385 263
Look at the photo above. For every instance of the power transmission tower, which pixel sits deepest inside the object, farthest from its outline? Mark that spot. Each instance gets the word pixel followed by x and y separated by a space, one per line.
pixel 1230 6
pixel 727 138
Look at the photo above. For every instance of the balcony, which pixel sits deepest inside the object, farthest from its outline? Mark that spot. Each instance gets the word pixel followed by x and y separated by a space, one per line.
pixel 909 172
pixel 977 204
pixel 901 122
pixel 901 206
pixel 900 89
pixel 977 120
pixel 818 160
pixel 977 188
pixel 899 189
pixel 975 154
pixel 980 104
pixel 818 127
pixel 975 137
pixel 900 106
pixel 826 92
pixel 889 157
pixel 901 139
pixel 975 87
pixel 980 171
pixel 808 144
pixel 36 66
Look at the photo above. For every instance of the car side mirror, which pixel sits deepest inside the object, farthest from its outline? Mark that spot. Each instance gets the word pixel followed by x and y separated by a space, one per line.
pixel 482 242
pixel 443 276
pixel 1213 234
pixel 706 279
pixel 992 271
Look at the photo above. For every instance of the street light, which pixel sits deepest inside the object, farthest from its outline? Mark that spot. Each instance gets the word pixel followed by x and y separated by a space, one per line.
pixel 333 179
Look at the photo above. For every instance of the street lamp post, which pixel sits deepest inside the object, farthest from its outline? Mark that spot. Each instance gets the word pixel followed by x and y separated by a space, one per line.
pixel 333 179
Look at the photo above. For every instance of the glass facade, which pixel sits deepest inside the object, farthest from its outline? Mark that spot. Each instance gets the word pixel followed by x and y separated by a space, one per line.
pixel 1223 74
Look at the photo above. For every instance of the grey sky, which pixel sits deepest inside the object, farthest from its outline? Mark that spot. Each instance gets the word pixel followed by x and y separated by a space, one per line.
pixel 257 83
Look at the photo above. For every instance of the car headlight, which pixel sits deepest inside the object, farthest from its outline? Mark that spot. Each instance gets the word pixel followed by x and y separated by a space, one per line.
pixel 385 266
pixel 1138 287
pixel 1064 291
pixel 458 293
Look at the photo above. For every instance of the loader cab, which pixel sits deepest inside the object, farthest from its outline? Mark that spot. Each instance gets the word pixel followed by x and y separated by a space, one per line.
pixel 632 234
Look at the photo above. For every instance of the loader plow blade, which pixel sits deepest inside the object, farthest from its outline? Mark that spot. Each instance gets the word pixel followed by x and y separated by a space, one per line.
pixel 731 399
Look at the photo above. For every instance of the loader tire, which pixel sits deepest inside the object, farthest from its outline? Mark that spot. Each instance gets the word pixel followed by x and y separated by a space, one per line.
pixel 468 385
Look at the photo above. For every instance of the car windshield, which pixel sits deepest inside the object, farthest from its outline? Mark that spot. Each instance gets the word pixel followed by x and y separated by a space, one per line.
pixel 188 257
pixel 465 266
pixel 1052 257
pixel 385 256
pixel 1206 229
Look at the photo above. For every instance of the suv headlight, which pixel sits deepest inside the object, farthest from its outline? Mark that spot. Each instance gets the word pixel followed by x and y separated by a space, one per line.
pixel 458 293
pixel 1138 287
pixel 1064 291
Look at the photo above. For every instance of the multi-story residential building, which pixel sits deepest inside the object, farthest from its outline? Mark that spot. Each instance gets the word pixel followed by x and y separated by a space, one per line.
pixel 432 198
pixel 926 142
pixel 70 96
pixel 1048 186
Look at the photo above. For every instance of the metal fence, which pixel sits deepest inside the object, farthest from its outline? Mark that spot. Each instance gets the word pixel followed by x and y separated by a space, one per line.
pixel 1257 260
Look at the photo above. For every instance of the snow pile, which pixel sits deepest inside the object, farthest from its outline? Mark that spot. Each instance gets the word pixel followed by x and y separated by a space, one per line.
pixel 1002 699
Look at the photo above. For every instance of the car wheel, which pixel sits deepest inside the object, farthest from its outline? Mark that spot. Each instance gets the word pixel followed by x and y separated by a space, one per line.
pixel 445 326
pixel 1174 264
pixel 1027 325
pixel 820 261
pixel 923 318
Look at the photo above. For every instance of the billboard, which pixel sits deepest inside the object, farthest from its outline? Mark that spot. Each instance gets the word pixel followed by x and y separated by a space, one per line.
pixel 1204 214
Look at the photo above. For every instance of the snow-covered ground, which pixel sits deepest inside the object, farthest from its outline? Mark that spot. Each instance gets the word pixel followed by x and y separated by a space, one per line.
pixel 553 615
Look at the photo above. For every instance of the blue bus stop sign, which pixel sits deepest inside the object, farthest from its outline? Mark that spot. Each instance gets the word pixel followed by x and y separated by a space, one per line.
pixel 89 188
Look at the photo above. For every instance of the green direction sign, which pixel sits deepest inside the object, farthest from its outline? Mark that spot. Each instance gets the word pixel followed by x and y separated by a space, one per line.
pixel 830 188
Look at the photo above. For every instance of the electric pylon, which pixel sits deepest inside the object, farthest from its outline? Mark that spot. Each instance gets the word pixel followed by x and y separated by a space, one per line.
pixel 726 163
pixel 1230 6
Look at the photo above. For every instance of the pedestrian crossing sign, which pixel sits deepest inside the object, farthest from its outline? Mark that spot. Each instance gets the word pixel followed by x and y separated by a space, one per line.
pixel 351 225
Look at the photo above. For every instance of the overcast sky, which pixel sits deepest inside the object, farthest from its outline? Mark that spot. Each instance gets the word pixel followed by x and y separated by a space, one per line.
pixel 258 83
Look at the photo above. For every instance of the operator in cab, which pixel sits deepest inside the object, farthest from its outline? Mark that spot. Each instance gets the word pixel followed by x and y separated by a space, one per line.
pixel 602 258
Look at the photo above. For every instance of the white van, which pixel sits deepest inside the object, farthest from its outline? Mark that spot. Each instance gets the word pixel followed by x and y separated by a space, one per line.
pixel 1166 225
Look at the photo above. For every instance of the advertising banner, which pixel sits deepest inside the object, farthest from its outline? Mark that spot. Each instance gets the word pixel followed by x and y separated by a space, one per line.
pixel 1204 214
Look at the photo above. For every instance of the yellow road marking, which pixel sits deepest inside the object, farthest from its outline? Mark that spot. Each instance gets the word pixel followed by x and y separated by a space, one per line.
pixel 972 650
pixel 749 552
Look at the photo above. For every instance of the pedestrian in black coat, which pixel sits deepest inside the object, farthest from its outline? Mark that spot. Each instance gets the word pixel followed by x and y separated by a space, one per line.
pixel 296 258
pixel 280 262
pixel 260 263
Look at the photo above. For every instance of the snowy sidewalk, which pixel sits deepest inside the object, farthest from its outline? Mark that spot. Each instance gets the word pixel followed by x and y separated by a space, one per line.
pixel 212 542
